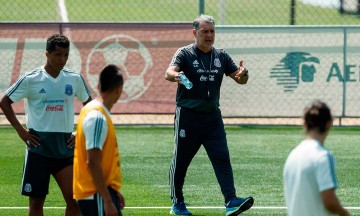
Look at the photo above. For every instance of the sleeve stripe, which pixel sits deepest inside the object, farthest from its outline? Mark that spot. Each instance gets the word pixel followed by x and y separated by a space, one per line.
pixel 98 129
pixel 174 57
pixel 332 167
pixel 87 89
pixel 13 88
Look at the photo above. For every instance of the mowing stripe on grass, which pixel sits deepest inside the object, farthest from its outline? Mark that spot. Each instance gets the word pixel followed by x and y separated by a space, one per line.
pixel 63 11
pixel 167 207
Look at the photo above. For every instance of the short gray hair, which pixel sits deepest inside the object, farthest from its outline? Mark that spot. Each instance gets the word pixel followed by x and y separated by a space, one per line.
pixel 202 18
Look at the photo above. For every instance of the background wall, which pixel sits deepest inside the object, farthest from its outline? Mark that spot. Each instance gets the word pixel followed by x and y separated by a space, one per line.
pixel 314 58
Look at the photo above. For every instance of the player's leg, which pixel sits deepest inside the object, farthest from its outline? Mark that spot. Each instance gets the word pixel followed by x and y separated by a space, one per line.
pixel 186 145
pixel 220 161
pixel 35 182
pixel 94 205
pixel 116 200
pixel 216 147
pixel 217 150
pixel 64 178
pixel 36 206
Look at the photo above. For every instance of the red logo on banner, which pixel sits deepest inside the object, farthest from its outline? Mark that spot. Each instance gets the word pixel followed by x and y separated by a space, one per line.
pixel 57 108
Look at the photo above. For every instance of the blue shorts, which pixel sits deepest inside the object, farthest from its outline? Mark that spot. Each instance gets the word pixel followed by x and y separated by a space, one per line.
pixel 37 171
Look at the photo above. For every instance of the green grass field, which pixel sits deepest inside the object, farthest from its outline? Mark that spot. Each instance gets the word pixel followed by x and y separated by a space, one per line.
pixel 237 12
pixel 257 154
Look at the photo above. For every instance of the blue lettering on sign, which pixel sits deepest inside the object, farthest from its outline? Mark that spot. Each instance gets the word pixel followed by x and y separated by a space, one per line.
pixel 336 73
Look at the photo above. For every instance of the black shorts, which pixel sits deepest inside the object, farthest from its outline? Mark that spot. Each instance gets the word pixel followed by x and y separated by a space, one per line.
pixel 37 171
pixel 94 206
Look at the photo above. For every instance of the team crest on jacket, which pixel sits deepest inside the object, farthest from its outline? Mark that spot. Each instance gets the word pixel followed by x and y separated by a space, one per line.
pixel 182 133
pixel 217 62
pixel 68 89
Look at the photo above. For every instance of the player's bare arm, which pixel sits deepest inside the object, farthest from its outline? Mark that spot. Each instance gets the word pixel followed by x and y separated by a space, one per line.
pixel 240 76
pixel 29 139
pixel 172 74
pixel 71 141
pixel 332 203
pixel 94 165
pixel 122 200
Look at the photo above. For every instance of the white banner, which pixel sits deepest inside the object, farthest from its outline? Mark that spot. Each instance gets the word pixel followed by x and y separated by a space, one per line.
pixel 289 67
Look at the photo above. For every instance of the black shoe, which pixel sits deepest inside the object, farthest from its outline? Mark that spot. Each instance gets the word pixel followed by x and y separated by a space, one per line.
pixel 238 205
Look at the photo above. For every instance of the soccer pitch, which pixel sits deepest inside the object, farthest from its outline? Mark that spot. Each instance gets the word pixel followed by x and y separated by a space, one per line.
pixel 253 12
pixel 257 154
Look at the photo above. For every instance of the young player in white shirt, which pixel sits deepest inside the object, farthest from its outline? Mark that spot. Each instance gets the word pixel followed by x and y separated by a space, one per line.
pixel 309 172
pixel 49 93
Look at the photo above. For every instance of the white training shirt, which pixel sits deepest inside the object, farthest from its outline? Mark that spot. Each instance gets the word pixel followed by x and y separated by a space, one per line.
pixel 309 170
pixel 49 104
pixel 95 127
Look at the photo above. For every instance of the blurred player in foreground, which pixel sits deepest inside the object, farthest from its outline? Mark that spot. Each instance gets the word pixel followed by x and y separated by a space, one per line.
pixel 49 92
pixel 97 172
pixel 309 172
pixel 198 119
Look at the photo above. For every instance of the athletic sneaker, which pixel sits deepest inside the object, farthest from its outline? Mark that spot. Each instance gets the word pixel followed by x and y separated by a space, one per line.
pixel 238 205
pixel 179 209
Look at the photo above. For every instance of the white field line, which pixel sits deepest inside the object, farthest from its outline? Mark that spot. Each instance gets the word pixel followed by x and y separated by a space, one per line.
pixel 167 207
pixel 64 17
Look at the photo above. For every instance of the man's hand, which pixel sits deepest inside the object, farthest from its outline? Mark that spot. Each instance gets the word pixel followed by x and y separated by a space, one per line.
pixel 110 209
pixel 242 71
pixel 241 76
pixel 172 74
pixel 121 199
pixel 30 140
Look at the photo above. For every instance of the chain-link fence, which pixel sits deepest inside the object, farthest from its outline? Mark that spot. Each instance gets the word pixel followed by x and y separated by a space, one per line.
pixel 226 12
pixel 289 66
